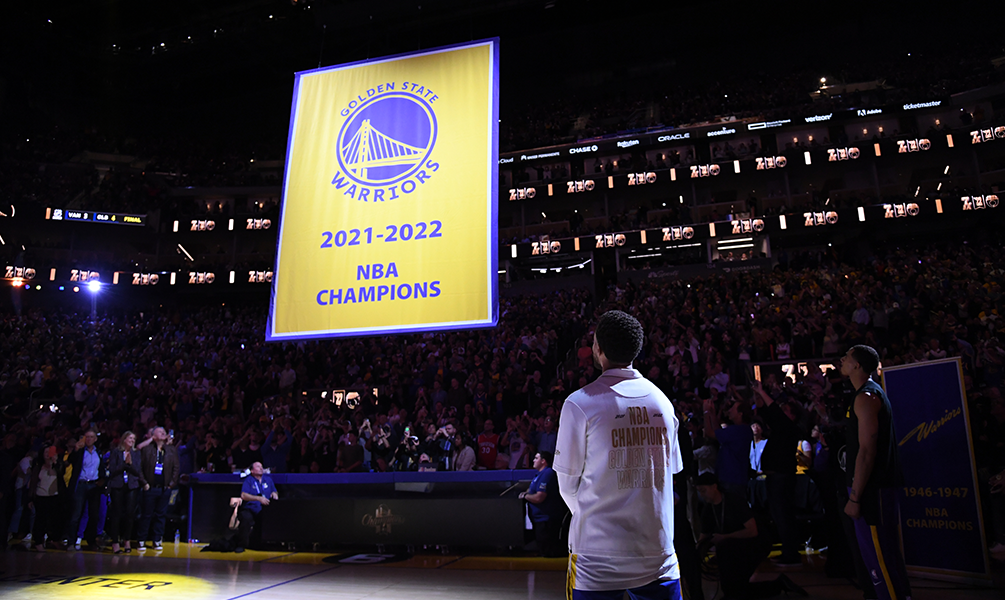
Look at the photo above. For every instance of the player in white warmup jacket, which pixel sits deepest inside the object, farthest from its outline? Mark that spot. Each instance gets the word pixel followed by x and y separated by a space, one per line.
pixel 615 458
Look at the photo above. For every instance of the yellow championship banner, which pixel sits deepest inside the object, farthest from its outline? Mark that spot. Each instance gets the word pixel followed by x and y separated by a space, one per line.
pixel 389 211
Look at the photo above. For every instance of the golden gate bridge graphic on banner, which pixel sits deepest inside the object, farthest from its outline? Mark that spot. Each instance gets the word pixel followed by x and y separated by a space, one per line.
pixel 369 148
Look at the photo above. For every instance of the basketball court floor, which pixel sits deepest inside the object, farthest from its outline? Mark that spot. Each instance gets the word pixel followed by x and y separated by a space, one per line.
pixel 182 572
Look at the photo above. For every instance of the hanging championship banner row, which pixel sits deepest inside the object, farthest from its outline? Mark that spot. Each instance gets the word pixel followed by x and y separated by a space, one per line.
pixel 388 221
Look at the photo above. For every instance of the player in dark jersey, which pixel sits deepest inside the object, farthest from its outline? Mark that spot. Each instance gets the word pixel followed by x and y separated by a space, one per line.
pixel 873 476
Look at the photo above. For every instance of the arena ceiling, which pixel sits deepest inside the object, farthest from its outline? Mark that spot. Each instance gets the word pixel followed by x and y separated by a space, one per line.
pixel 153 63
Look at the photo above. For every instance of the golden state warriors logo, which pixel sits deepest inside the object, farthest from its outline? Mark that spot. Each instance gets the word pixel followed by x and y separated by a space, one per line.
pixel 385 143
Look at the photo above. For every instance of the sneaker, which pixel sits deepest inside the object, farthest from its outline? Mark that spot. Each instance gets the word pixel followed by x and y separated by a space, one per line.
pixel 784 562
pixel 790 587
pixel 76 546
pixel 142 548
pixel 27 538
pixel 158 546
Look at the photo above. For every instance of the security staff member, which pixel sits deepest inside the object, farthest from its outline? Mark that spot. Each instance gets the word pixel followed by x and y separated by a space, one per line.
pixel 257 491
pixel 544 506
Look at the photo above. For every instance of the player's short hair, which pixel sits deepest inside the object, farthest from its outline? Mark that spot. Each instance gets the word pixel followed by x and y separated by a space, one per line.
pixel 707 479
pixel 619 336
pixel 547 457
pixel 866 357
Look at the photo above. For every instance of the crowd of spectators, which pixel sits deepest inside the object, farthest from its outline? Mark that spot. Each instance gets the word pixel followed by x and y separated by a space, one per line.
pixel 491 398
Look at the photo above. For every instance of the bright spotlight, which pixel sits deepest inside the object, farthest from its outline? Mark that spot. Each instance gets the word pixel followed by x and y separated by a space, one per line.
pixel 76 289
pixel 94 285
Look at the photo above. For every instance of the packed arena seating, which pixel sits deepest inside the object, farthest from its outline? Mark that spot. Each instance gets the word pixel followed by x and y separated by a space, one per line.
pixel 206 375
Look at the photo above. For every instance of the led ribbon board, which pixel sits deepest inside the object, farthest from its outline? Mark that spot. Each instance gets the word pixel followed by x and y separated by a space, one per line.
pixel 388 222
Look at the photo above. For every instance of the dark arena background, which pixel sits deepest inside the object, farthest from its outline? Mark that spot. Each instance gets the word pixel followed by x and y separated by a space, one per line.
pixel 762 188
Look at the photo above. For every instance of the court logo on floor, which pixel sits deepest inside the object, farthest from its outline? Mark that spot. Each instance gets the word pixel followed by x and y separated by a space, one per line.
pixel 113 585
pixel 366 559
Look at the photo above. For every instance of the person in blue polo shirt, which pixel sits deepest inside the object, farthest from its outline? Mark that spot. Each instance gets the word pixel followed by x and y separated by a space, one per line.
pixel 544 506
pixel 257 491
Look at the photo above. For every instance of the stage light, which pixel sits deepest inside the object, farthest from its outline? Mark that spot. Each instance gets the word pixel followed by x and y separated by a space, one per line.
pixel 76 289
pixel 61 288
pixel 94 285
pixel 38 287
pixel 27 286
pixel 823 80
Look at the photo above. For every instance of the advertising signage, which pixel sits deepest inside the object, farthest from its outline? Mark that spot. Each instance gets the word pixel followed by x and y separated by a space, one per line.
pixel 610 145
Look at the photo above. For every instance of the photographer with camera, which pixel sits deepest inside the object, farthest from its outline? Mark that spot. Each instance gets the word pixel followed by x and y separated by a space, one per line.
pixel 382 444
pixel 406 457
pixel 728 524
pixel 437 452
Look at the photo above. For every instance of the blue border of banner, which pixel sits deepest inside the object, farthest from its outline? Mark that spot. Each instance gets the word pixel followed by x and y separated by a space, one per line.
pixel 949 574
pixel 492 195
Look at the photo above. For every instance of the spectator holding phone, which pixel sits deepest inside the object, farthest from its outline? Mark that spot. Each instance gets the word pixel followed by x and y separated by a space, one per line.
pixel 160 469
pixel 46 490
